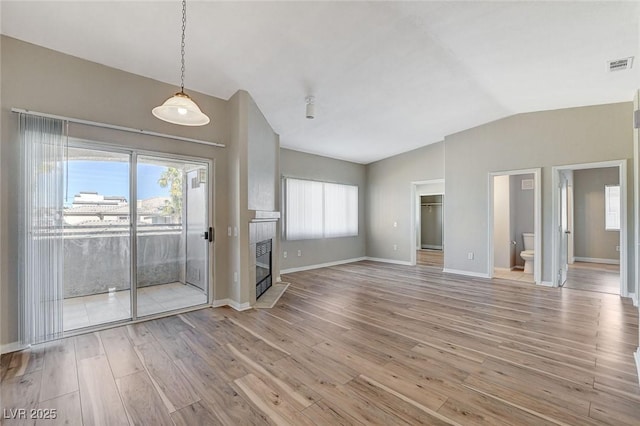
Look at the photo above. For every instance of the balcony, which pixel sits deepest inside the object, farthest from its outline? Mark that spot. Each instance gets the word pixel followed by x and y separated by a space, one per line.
pixel 97 272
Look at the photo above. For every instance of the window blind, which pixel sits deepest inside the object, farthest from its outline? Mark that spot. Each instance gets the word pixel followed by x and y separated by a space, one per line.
pixel 320 210
pixel 42 252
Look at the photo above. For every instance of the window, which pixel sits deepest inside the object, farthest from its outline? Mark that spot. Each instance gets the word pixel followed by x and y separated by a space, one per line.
pixel 320 210
pixel 612 207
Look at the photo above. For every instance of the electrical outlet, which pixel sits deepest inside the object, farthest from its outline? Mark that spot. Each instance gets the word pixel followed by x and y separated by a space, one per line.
pixel 395 247
pixel 395 224
pixel 235 277
pixel 470 255
pixel 299 253
pixel 284 254
pixel 617 248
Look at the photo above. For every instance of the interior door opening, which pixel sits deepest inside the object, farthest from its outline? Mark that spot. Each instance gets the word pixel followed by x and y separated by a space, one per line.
pixel 427 223
pixel 590 250
pixel 515 226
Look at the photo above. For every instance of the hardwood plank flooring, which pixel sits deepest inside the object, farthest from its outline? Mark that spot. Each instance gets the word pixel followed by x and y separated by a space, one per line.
pixel 430 258
pixel 360 343
pixel 598 277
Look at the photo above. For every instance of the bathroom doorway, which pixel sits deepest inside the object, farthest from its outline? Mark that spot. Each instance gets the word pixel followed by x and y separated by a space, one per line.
pixel 590 210
pixel 428 223
pixel 514 225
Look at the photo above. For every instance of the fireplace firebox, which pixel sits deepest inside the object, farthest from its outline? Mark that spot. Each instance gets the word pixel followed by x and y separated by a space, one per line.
pixel 263 267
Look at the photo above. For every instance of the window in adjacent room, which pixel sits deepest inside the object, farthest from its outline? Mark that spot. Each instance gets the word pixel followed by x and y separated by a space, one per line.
pixel 320 210
pixel 612 207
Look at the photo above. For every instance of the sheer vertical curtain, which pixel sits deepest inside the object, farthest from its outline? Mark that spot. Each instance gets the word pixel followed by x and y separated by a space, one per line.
pixel 320 210
pixel 42 143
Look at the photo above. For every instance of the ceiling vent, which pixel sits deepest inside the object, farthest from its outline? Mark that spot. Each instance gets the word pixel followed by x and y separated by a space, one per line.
pixel 621 64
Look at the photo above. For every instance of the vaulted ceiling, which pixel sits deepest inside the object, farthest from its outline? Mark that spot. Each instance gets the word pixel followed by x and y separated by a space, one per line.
pixel 388 77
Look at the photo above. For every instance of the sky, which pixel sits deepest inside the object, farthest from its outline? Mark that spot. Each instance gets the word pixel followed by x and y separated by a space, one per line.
pixel 112 178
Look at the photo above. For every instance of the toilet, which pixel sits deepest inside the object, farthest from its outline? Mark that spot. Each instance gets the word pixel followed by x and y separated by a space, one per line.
pixel 527 254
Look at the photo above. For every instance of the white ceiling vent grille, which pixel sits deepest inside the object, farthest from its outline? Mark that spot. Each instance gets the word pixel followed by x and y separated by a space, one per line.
pixel 620 64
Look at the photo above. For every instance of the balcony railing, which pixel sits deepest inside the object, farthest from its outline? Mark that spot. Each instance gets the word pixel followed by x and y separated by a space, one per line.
pixel 97 258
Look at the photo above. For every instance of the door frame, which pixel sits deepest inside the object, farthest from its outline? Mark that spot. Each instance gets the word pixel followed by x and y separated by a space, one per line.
pixel 415 212
pixel 537 220
pixel 555 217
pixel 133 154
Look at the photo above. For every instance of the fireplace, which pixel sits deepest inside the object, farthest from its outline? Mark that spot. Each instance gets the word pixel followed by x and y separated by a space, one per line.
pixel 263 267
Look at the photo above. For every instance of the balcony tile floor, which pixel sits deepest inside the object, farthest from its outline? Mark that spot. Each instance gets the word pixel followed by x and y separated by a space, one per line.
pixel 86 311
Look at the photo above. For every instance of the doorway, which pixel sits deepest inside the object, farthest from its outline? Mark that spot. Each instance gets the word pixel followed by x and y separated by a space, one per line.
pixel 427 230
pixel 117 269
pixel 590 216
pixel 515 247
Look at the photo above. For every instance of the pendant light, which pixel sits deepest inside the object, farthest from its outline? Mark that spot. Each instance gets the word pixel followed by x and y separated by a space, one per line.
pixel 180 108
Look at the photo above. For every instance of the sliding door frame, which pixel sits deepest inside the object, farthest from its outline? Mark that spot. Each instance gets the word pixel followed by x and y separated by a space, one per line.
pixel 133 211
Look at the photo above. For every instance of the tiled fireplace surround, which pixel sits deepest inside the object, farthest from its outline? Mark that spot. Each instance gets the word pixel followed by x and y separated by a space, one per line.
pixel 262 226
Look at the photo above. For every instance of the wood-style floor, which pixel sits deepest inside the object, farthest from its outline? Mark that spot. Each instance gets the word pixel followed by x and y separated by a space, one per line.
pixel 594 277
pixel 430 258
pixel 362 343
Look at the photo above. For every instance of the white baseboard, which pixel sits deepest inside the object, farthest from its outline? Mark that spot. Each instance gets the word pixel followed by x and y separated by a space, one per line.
pixel 546 283
pixel 634 298
pixel 220 303
pixel 636 355
pixel 239 306
pixel 466 273
pixel 232 303
pixel 395 262
pixel 597 260
pixel 431 247
pixel 321 265
pixel 12 347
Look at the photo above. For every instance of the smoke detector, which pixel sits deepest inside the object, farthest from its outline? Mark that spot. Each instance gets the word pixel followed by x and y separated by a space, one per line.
pixel 620 64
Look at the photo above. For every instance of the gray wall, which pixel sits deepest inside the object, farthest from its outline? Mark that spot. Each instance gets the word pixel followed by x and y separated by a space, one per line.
pixel 252 143
pixel 263 173
pixel 388 200
pixel 308 166
pixel 263 152
pixel 237 193
pixel 522 214
pixel 590 238
pixel 539 139
pixel 36 78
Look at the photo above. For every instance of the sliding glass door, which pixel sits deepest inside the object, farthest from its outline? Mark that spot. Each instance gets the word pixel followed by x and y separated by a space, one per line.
pixel 116 270
pixel 97 237
pixel 172 234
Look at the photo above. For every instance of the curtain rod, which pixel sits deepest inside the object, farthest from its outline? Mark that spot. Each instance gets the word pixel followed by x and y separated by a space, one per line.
pixel 114 127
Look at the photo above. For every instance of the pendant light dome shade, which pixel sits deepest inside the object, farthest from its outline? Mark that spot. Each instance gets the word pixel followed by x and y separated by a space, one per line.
pixel 180 109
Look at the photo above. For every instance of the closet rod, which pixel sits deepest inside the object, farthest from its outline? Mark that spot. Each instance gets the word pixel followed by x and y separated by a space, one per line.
pixel 114 127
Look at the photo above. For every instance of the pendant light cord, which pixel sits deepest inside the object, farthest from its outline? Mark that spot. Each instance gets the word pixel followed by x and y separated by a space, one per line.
pixel 184 27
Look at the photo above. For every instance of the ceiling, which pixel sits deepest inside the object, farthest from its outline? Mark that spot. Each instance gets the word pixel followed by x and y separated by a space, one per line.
pixel 388 77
